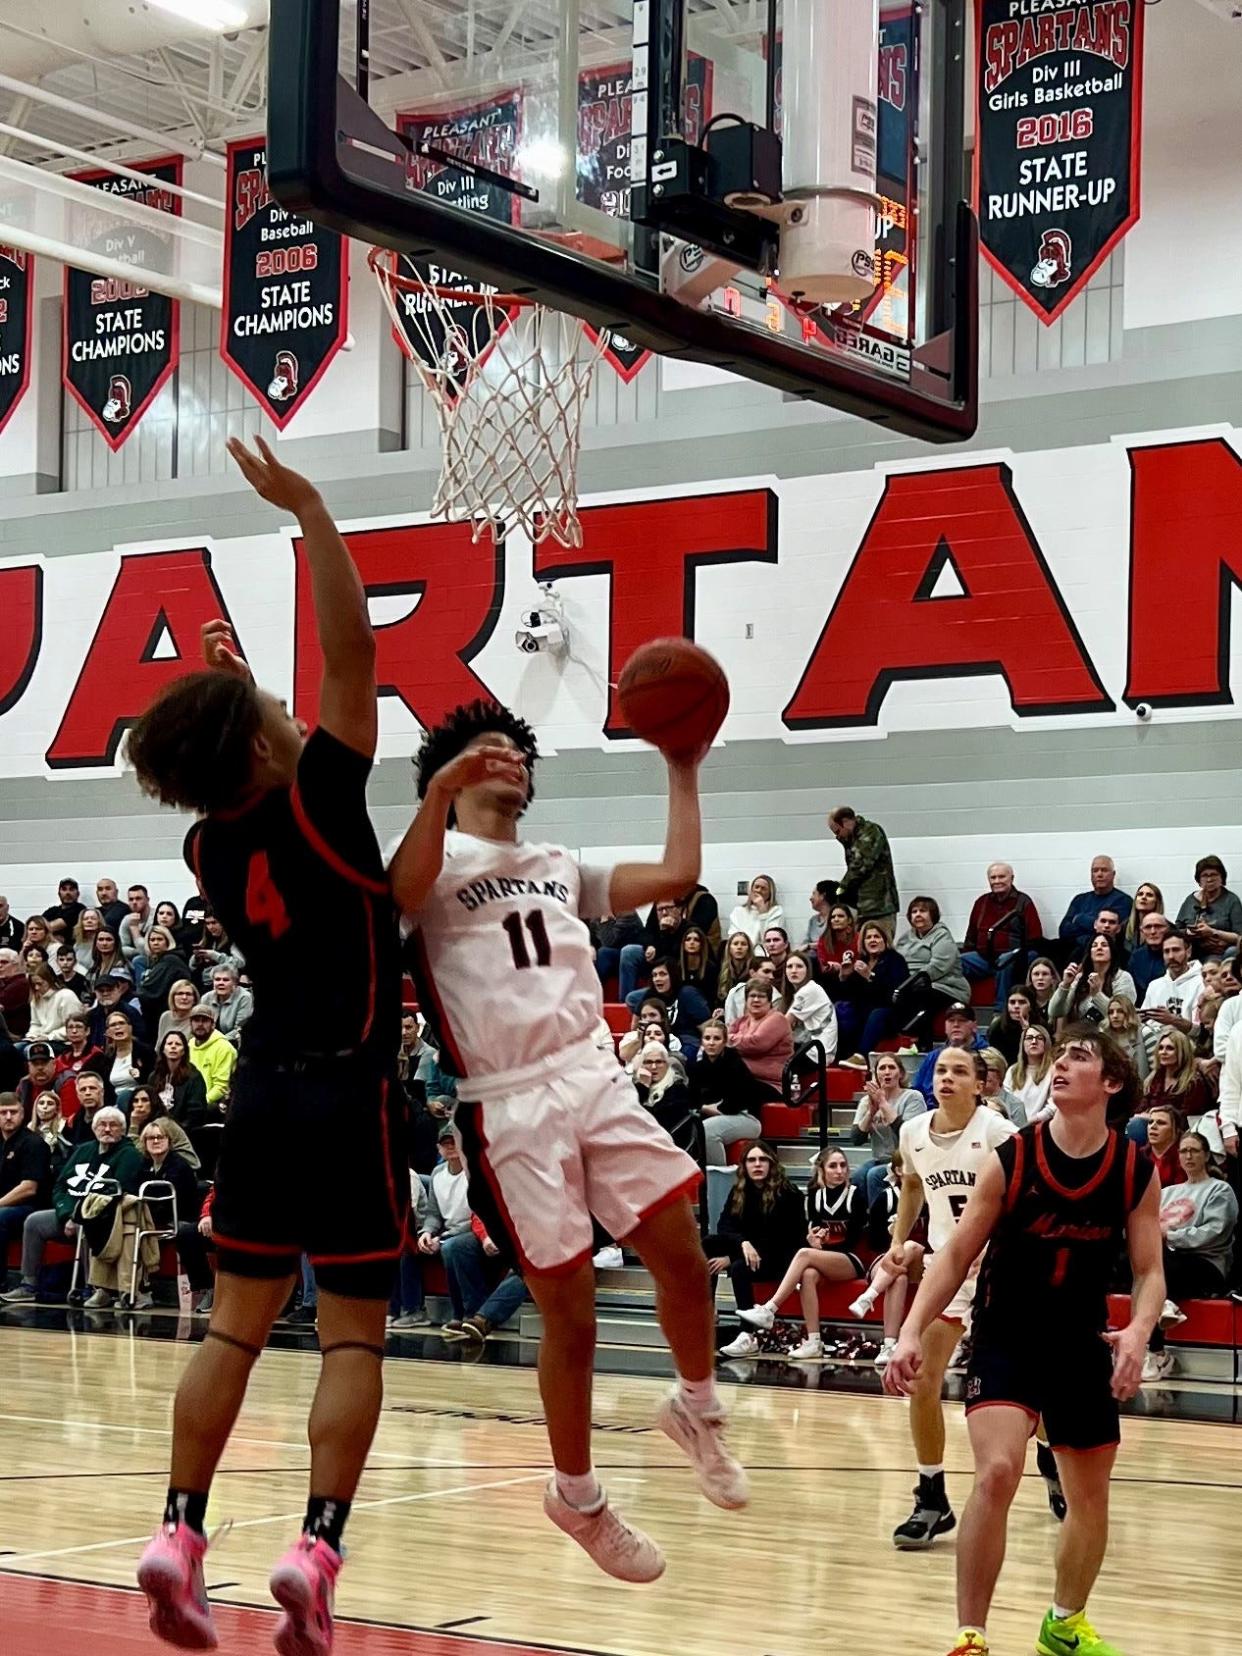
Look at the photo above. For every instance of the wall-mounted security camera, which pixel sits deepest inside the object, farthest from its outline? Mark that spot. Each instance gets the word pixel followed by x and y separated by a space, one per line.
pixel 543 631
pixel 1142 710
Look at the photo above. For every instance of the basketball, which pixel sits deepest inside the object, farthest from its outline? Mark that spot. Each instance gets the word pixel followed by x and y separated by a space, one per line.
pixel 674 695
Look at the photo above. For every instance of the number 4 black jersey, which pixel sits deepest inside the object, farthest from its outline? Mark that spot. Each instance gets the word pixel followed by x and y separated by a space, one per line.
pixel 297 879
pixel 1049 1263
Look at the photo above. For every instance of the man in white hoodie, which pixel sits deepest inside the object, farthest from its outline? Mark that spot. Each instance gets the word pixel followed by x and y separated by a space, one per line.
pixel 1230 1102
pixel 1172 1001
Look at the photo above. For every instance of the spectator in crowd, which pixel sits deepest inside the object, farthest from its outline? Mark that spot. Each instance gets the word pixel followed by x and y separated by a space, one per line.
pixel 1175 1080
pixel 1148 899
pixel 697 964
pixel 1003 933
pixel 888 1101
pixel 231 1003
pixel 699 908
pixel 127 1060
pixel 161 1159
pixel 865 994
pixel 108 899
pixel 1126 1028
pixel 35 954
pixel 12 929
pixel 40 1076
pixel 936 978
pixel 995 1094
pixel 661 1085
pixel 407 1308
pixel 723 1091
pixel 762 969
pixel 447 1231
pixel 775 944
pixel 194 912
pixel 109 1156
pixel 49 1123
pixel 1199 1218
pixel 164 967
pixel 1029 1078
pixel 687 1008
pixel 106 957
pixel 68 976
pixel 182 999
pixel 25 1171
pixel 179 1086
pixel 14 994
pixel 1008 1026
pixel 1041 985
pixel 37 934
pixel 501 1303
pixel 1146 962
pixel 66 911
pixel 1230 1008
pixel 610 935
pixel 661 939
pixel 1162 1128
pixel 763 1039
pixel 883 1281
pixel 868 885
pixel 79 1055
pixel 810 1014
pixel 822 895
pixel 1108 924
pixel 212 1056
pixel 759 911
pixel 836 1219
pixel 136 926
pixel 840 939
pixel 1078 926
pixel 93 1093
pixel 213 949
pixel 736 964
pixel 1088 985
pixel 90 924
pixel 115 993
pixel 761 1228
pixel 1211 916
pixel 168 915
pixel 1173 998
pixel 145 1105
pixel 960 1030
pixel 50 1005
pixel 651 1022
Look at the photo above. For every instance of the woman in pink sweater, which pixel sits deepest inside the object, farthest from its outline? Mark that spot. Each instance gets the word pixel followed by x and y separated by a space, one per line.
pixel 763 1038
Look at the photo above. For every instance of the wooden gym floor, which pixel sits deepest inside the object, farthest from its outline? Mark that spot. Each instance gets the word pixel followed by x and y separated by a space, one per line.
pixel 451 1555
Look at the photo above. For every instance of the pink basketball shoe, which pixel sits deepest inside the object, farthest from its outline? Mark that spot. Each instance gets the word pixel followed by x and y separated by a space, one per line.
pixel 303 1584
pixel 170 1573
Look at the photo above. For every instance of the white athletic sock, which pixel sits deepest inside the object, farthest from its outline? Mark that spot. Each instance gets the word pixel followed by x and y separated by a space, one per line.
pixel 699 1396
pixel 931 1471
pixel 1061 1613
pixel 580 1490
pixel 867 1297
pixel 973 1627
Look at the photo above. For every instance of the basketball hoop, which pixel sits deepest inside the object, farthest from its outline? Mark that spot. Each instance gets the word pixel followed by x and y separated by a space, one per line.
pixel 509 379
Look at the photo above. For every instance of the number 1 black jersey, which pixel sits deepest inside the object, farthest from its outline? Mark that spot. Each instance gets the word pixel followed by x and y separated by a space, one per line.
pixel 297 879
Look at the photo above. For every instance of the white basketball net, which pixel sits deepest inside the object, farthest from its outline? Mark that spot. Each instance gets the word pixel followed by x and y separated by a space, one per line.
pixel 510 391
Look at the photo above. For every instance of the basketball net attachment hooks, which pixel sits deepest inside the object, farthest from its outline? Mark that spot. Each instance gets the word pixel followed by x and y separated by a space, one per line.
pixel 509 379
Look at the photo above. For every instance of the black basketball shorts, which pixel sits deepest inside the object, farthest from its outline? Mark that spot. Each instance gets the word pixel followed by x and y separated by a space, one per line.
pixel 313 1159
pixel 1068 1382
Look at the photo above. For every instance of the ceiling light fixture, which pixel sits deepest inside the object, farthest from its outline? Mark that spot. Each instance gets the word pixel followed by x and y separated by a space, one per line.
pixel 219 15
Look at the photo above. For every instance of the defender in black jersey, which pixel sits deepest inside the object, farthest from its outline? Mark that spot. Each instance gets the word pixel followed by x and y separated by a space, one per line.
pixel 312 1158
pixel 1052 1207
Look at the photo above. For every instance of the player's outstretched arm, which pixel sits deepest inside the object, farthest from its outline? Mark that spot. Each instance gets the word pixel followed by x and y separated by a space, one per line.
pixel 347 697
pixel 945 1275
pixel 420 856
pixel 1145 1245
pixel 635 884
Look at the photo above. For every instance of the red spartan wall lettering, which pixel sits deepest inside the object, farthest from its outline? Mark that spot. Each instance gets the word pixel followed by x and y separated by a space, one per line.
pixel 423 659
pixel 21 605
pixel 885 626
pixel 651 550
pixel 1185 561
pixel 154 594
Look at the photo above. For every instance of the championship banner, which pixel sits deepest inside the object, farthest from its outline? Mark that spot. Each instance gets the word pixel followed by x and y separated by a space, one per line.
pixel 1058 119
pixel 121 341
pixel 286 290
pixel 16 327
pixel 487 133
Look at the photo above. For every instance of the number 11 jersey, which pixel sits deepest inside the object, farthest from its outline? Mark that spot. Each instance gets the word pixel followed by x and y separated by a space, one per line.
pixel 502 957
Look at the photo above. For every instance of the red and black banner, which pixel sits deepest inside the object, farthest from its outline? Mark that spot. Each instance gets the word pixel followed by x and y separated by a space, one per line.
pixel 488 134
pixel 1058 121
pixel 16 327
pixel 286 290
pixel 121 340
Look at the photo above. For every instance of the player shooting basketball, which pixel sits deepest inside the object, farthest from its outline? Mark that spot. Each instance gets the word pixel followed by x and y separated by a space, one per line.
pixel 550 1126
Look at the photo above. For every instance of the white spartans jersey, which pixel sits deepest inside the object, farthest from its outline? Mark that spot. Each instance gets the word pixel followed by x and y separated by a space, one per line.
pixel 501 956
pixel 949 1163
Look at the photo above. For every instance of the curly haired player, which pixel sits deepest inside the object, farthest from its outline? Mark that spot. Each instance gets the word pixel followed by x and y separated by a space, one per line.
pixel 283 836
pixel 551 1128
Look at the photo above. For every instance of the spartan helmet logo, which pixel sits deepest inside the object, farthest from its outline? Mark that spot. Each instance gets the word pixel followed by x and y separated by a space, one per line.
pixel 284 377
pixel 120 399
pixel 1055 257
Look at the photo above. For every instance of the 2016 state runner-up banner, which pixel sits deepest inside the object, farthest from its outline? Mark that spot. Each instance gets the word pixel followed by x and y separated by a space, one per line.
pixel 121 340
pixel 1058 118
pixel 286 290
pixel 16 327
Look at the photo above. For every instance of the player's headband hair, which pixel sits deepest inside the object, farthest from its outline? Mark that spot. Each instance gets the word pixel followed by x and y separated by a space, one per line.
pixel 443 743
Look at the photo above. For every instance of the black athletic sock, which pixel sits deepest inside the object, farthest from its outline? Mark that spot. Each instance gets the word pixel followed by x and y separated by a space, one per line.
pixel 325 1519
pixel 1046 1461
pixel 186 1506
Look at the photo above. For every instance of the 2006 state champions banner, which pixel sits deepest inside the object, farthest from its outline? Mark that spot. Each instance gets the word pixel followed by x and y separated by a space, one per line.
pixel 1058 120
